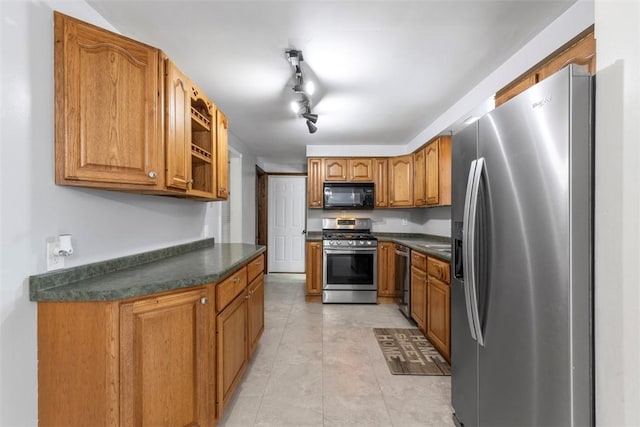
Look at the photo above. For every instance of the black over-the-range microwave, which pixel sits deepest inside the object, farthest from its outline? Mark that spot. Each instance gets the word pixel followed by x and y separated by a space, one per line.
pixel 348 195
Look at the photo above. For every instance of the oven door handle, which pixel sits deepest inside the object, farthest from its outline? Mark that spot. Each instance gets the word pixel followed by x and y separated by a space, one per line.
pixel 349 251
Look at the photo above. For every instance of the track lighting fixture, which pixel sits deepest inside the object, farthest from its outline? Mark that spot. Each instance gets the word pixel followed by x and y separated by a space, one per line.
pixel 304 89
pixel 313 118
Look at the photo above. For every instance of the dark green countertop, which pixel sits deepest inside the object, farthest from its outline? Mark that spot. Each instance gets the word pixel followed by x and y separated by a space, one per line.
pixel 177 267
pixel 414 241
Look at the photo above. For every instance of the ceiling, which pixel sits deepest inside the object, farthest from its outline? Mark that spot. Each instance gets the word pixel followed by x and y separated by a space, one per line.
pixel 384 70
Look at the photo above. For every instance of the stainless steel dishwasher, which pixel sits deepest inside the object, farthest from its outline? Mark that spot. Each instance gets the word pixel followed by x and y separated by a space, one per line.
pixel 402 280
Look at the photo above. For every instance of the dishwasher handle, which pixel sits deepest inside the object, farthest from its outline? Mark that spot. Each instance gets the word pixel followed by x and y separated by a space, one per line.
pixel 402 251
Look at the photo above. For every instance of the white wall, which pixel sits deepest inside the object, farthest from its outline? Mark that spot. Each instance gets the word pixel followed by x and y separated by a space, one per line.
pixel 435 221
pixel 103 224
pixel 617 187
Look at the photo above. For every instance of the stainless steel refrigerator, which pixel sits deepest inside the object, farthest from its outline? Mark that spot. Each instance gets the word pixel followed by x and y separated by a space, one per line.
pixel 521 297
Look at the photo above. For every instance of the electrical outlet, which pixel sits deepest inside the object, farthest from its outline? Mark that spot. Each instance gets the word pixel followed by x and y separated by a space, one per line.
pixel 205 230
pixel 53 262
pixel 404 221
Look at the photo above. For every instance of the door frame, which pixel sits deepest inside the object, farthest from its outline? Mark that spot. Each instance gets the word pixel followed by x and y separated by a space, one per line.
pixel 262 212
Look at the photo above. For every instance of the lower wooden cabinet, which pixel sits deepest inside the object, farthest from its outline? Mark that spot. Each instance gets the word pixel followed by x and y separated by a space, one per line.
pixel 231 332
pixel 168 359
pixel 419 297
pixel 255 312
pixel 439 316
pixel 164 354
pixel 314 268
pixel 386 269
pixel 141 362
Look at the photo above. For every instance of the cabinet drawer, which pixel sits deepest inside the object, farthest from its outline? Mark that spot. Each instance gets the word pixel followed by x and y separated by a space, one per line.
pixel 255 267
pixel 419 260
pixel 227 290
pixel 438 269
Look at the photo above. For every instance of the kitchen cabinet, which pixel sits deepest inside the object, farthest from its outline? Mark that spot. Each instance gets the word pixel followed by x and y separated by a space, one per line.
pixel 581 50
pixel 401 181
pixel 231 332
pixel 314 269
pixel 439 307
pixel 360 170
pixel 438 172
pixel 314 183
pixel 165 353
pixel 419 297
pixel 191 134
pixel 255 312
pixel 419 289
pixel 223 155
pixel 145 361
pixel 108 130
pixel 419 178
pixel 158 359
pixel 335 169
pixel 381 182
pixel 386 270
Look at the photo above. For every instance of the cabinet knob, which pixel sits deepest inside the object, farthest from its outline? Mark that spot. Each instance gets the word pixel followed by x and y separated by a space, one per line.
pixel 152 174
pixel 190 181
pixel 204 300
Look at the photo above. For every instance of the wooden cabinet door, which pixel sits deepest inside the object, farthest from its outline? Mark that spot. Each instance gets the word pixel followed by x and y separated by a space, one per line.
pixel 314 183
pixel 335 169
pixel 164 351
pixel 314 268
pixel 231 330
pixel 178 127
pixel 222 162
pixel 439 316
pixel 360 170
pixel 419 178
pixel 432 153
pixel 381 182
pixel 107 119
pixel 419 297
pixel 255 312
pixel 401 181
pixel 386 269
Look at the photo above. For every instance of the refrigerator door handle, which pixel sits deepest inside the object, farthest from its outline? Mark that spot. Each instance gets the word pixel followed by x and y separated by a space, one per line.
pixel 473 209
pixel 466 244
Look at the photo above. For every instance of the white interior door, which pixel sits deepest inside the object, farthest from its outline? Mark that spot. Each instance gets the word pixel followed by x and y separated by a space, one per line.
pixel 287 223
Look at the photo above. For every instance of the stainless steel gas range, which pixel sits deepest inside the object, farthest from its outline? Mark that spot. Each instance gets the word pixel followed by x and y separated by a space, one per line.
pixel 349 261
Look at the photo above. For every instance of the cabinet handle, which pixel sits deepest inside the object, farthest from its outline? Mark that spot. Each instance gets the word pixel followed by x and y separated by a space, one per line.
pixel 152 174
pixel 204 300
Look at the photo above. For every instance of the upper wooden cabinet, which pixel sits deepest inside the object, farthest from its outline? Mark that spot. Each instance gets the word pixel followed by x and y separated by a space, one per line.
pixel 335 169
pixel 223 155
pixel 110 93
pixel 581 50
pixel 401 181
pixel 107 121
pixel 438 172
pixel 360 169
pixel 314 183
pixel 381 182
pixel 419 178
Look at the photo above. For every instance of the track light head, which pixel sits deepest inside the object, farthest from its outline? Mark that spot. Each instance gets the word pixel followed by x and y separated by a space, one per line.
pixel 312 128
pixel 313 118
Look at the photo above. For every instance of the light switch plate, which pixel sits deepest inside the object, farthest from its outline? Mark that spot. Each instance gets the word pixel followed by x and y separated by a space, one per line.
pixel 53 262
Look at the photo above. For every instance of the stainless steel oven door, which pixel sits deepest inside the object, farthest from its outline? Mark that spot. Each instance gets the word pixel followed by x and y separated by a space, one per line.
pixel 350 269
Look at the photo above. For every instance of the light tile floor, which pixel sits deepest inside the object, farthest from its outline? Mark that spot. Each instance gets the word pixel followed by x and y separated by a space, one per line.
pixel 320 365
